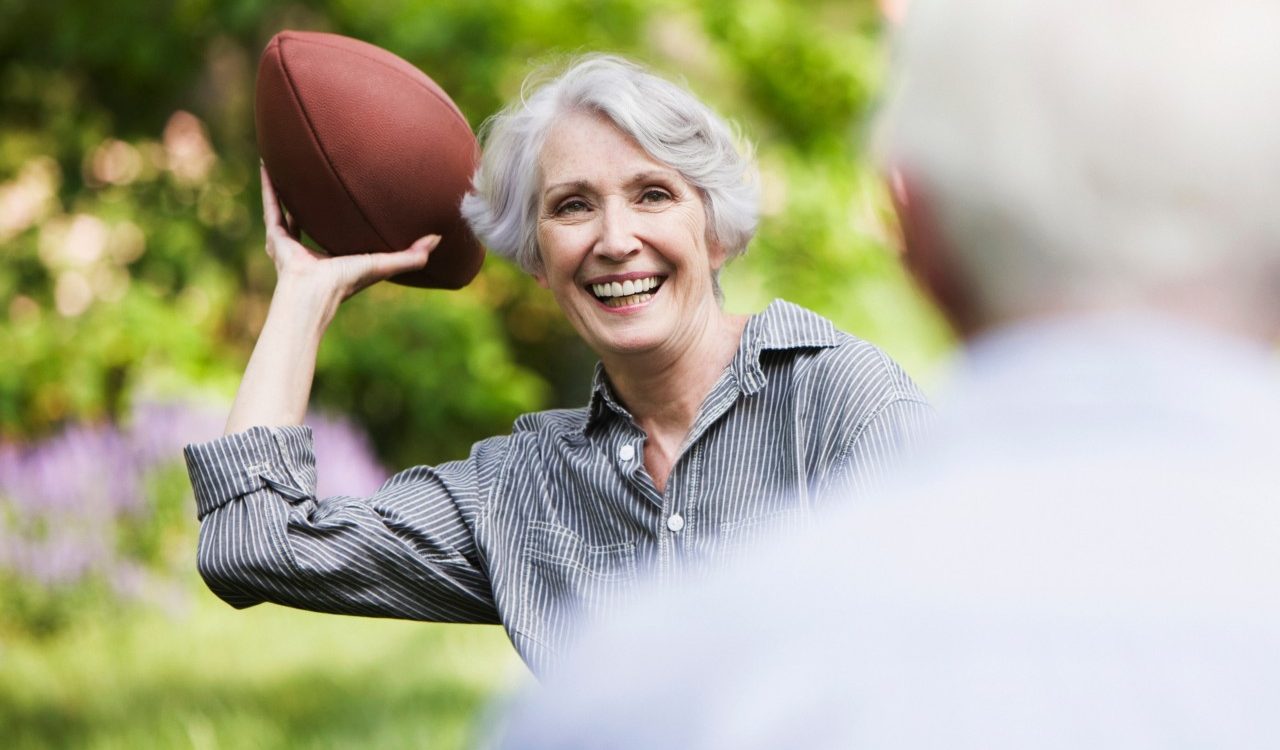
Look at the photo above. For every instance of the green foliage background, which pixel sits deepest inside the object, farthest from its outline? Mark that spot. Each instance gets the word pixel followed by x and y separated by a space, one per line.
pixel 132 242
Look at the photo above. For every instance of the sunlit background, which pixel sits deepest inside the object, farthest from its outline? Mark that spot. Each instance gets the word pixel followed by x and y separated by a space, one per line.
pixel 133 283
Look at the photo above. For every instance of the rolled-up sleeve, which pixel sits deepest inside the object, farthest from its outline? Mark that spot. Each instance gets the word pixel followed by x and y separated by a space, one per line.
pixel 407 551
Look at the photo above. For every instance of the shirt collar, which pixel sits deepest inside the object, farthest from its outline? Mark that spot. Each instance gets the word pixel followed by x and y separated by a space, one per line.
pixel 603 399
pixel 781 326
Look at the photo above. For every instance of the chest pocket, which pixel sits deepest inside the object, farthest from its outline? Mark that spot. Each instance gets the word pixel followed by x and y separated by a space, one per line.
pixel 564 580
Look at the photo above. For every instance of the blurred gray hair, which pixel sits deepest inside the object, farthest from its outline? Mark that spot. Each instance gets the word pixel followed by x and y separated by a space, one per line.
pixel 1082 153
pixel 668 122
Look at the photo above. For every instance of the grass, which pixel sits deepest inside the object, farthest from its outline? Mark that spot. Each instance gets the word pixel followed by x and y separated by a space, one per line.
pixel 267 677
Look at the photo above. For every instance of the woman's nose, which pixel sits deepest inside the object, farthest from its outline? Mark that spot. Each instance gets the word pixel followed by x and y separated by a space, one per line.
pixel 618 238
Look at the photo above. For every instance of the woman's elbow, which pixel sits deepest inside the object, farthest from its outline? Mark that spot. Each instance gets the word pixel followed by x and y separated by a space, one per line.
pixel 229 570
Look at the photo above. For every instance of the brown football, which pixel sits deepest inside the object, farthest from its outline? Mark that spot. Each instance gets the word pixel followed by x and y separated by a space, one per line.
pixel 366 152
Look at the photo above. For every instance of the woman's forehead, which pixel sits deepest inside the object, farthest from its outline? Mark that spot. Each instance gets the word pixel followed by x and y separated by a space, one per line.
pixel 588 148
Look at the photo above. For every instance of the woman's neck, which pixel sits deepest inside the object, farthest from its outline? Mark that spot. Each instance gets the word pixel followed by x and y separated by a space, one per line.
pixel 663 390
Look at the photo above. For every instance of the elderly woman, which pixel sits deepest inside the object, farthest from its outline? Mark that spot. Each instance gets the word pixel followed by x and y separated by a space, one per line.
pixel 624 196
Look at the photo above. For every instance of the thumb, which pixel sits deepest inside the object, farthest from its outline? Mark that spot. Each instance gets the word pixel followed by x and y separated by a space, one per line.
pixel 411 258
pixel 373 267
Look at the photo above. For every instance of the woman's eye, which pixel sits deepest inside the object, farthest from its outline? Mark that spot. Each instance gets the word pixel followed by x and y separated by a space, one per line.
pixel 571 206
pixel 654 195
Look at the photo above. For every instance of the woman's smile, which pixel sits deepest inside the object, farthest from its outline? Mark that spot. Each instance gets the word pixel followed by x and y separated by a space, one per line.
pixel 625 291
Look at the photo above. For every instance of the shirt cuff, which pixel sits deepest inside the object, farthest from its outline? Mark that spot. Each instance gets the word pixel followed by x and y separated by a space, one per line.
pixel 280 458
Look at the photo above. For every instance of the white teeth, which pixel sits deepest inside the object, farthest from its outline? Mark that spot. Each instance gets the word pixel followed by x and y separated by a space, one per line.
pixel 634 299
pixel 627 288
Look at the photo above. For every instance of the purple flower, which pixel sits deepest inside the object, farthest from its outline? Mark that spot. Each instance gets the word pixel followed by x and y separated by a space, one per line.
pixel 345 464
pixel 157 432
pixel 66 501
pixel 90 470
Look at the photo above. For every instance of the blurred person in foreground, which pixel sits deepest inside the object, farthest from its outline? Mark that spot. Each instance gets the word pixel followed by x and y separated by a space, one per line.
pixel 1089 553
pixel 624 195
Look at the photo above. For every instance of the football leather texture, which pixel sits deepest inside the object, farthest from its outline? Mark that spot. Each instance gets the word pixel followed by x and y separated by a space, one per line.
pixel 366 152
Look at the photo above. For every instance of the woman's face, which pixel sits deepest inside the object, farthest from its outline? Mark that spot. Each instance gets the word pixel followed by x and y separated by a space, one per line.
pixel 623 240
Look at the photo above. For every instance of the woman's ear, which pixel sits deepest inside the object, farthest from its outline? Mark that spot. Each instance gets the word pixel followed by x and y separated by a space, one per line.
pixel 539 273
pixel 539 270
pixel 716 254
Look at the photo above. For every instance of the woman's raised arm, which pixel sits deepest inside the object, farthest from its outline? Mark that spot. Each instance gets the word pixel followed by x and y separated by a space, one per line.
pixel 309 287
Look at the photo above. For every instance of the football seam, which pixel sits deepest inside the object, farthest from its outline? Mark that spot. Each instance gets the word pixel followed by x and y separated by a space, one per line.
pixel 315 137
pixel 450 104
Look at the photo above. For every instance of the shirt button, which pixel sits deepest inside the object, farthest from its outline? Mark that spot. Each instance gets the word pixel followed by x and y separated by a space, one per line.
pixel 675 522
pixel 626 453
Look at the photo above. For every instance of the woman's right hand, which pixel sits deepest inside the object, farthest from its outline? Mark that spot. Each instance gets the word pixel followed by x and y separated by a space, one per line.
pixel 277 381
pixel 336 277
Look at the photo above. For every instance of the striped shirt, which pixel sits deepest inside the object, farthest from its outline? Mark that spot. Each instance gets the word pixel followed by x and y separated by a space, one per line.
pixel 559 520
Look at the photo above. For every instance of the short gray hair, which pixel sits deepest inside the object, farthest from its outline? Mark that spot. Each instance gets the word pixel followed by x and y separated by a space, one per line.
pixel 1085 152
pixel 668 122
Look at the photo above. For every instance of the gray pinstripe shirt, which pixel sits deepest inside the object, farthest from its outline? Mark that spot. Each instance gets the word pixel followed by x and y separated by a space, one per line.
pixel 559 520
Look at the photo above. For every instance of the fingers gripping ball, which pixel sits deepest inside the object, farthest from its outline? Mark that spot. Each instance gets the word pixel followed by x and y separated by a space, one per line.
pixel 366 152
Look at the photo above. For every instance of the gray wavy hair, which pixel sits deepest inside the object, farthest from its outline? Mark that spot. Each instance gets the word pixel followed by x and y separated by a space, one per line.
pixel 668 122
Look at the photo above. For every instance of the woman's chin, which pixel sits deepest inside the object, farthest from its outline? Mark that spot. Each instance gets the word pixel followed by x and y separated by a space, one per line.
pixel 633 341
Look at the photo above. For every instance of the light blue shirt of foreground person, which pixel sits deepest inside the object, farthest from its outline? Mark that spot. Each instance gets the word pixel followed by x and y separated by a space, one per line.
pixel 1088 557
